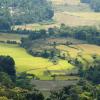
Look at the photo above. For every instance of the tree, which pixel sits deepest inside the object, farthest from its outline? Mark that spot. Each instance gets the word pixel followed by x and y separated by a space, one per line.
pixel 7 65
pixel 35 95
pixel 5 80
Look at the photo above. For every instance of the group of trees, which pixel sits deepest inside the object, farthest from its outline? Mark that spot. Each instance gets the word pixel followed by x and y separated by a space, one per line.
pixel 95 4
pixel 23 11
pixel 7 65
pixel 16 87
pixel 92 73
pixel 84 90
pixel 87 33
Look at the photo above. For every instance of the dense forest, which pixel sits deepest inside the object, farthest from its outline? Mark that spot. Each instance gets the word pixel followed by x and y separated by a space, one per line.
pixel 94 4
pixel 22 12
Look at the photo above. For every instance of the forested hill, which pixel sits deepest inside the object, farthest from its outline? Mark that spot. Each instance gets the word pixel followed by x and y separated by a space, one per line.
pixel 24 11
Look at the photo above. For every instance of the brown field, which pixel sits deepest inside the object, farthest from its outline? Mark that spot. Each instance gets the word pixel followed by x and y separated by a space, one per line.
pixel 86 50
pixel 76 19
pixel 89 49
pixel 62 2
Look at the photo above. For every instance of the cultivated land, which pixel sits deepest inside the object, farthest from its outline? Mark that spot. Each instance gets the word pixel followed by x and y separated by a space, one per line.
pixel 77 19
pixel 12 37
pixel 30 64
pixel 62 2
pixel 38 65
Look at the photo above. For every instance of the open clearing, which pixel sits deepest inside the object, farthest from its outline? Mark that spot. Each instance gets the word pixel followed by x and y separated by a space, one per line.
pixel 34 65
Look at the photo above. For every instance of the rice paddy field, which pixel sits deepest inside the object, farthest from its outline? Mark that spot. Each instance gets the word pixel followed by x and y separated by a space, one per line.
pixel 38 65
pixel 27 63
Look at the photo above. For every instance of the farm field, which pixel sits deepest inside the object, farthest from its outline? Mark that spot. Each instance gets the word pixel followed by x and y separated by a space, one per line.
pixel 62 2
pixel 77 19
pixel 38 65
pixel 86 15
pixel 30 64
pixel 12 37
pixel 86 49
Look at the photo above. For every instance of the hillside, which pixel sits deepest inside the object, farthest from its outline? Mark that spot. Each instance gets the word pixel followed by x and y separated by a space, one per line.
pixel 69 12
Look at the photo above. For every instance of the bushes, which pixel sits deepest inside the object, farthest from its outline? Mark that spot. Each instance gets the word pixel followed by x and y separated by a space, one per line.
pixel 12 42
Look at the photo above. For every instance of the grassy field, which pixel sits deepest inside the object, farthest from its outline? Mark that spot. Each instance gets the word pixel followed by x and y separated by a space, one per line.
pixel 34 65
pixel 13 37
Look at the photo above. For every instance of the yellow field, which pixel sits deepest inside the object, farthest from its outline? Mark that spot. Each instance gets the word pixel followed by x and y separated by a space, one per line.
pixel 86 50
pixel 89 49
pixel 34 65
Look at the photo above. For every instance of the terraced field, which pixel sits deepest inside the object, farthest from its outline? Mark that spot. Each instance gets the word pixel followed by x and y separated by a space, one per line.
pixel 30 64
pixel 85 50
